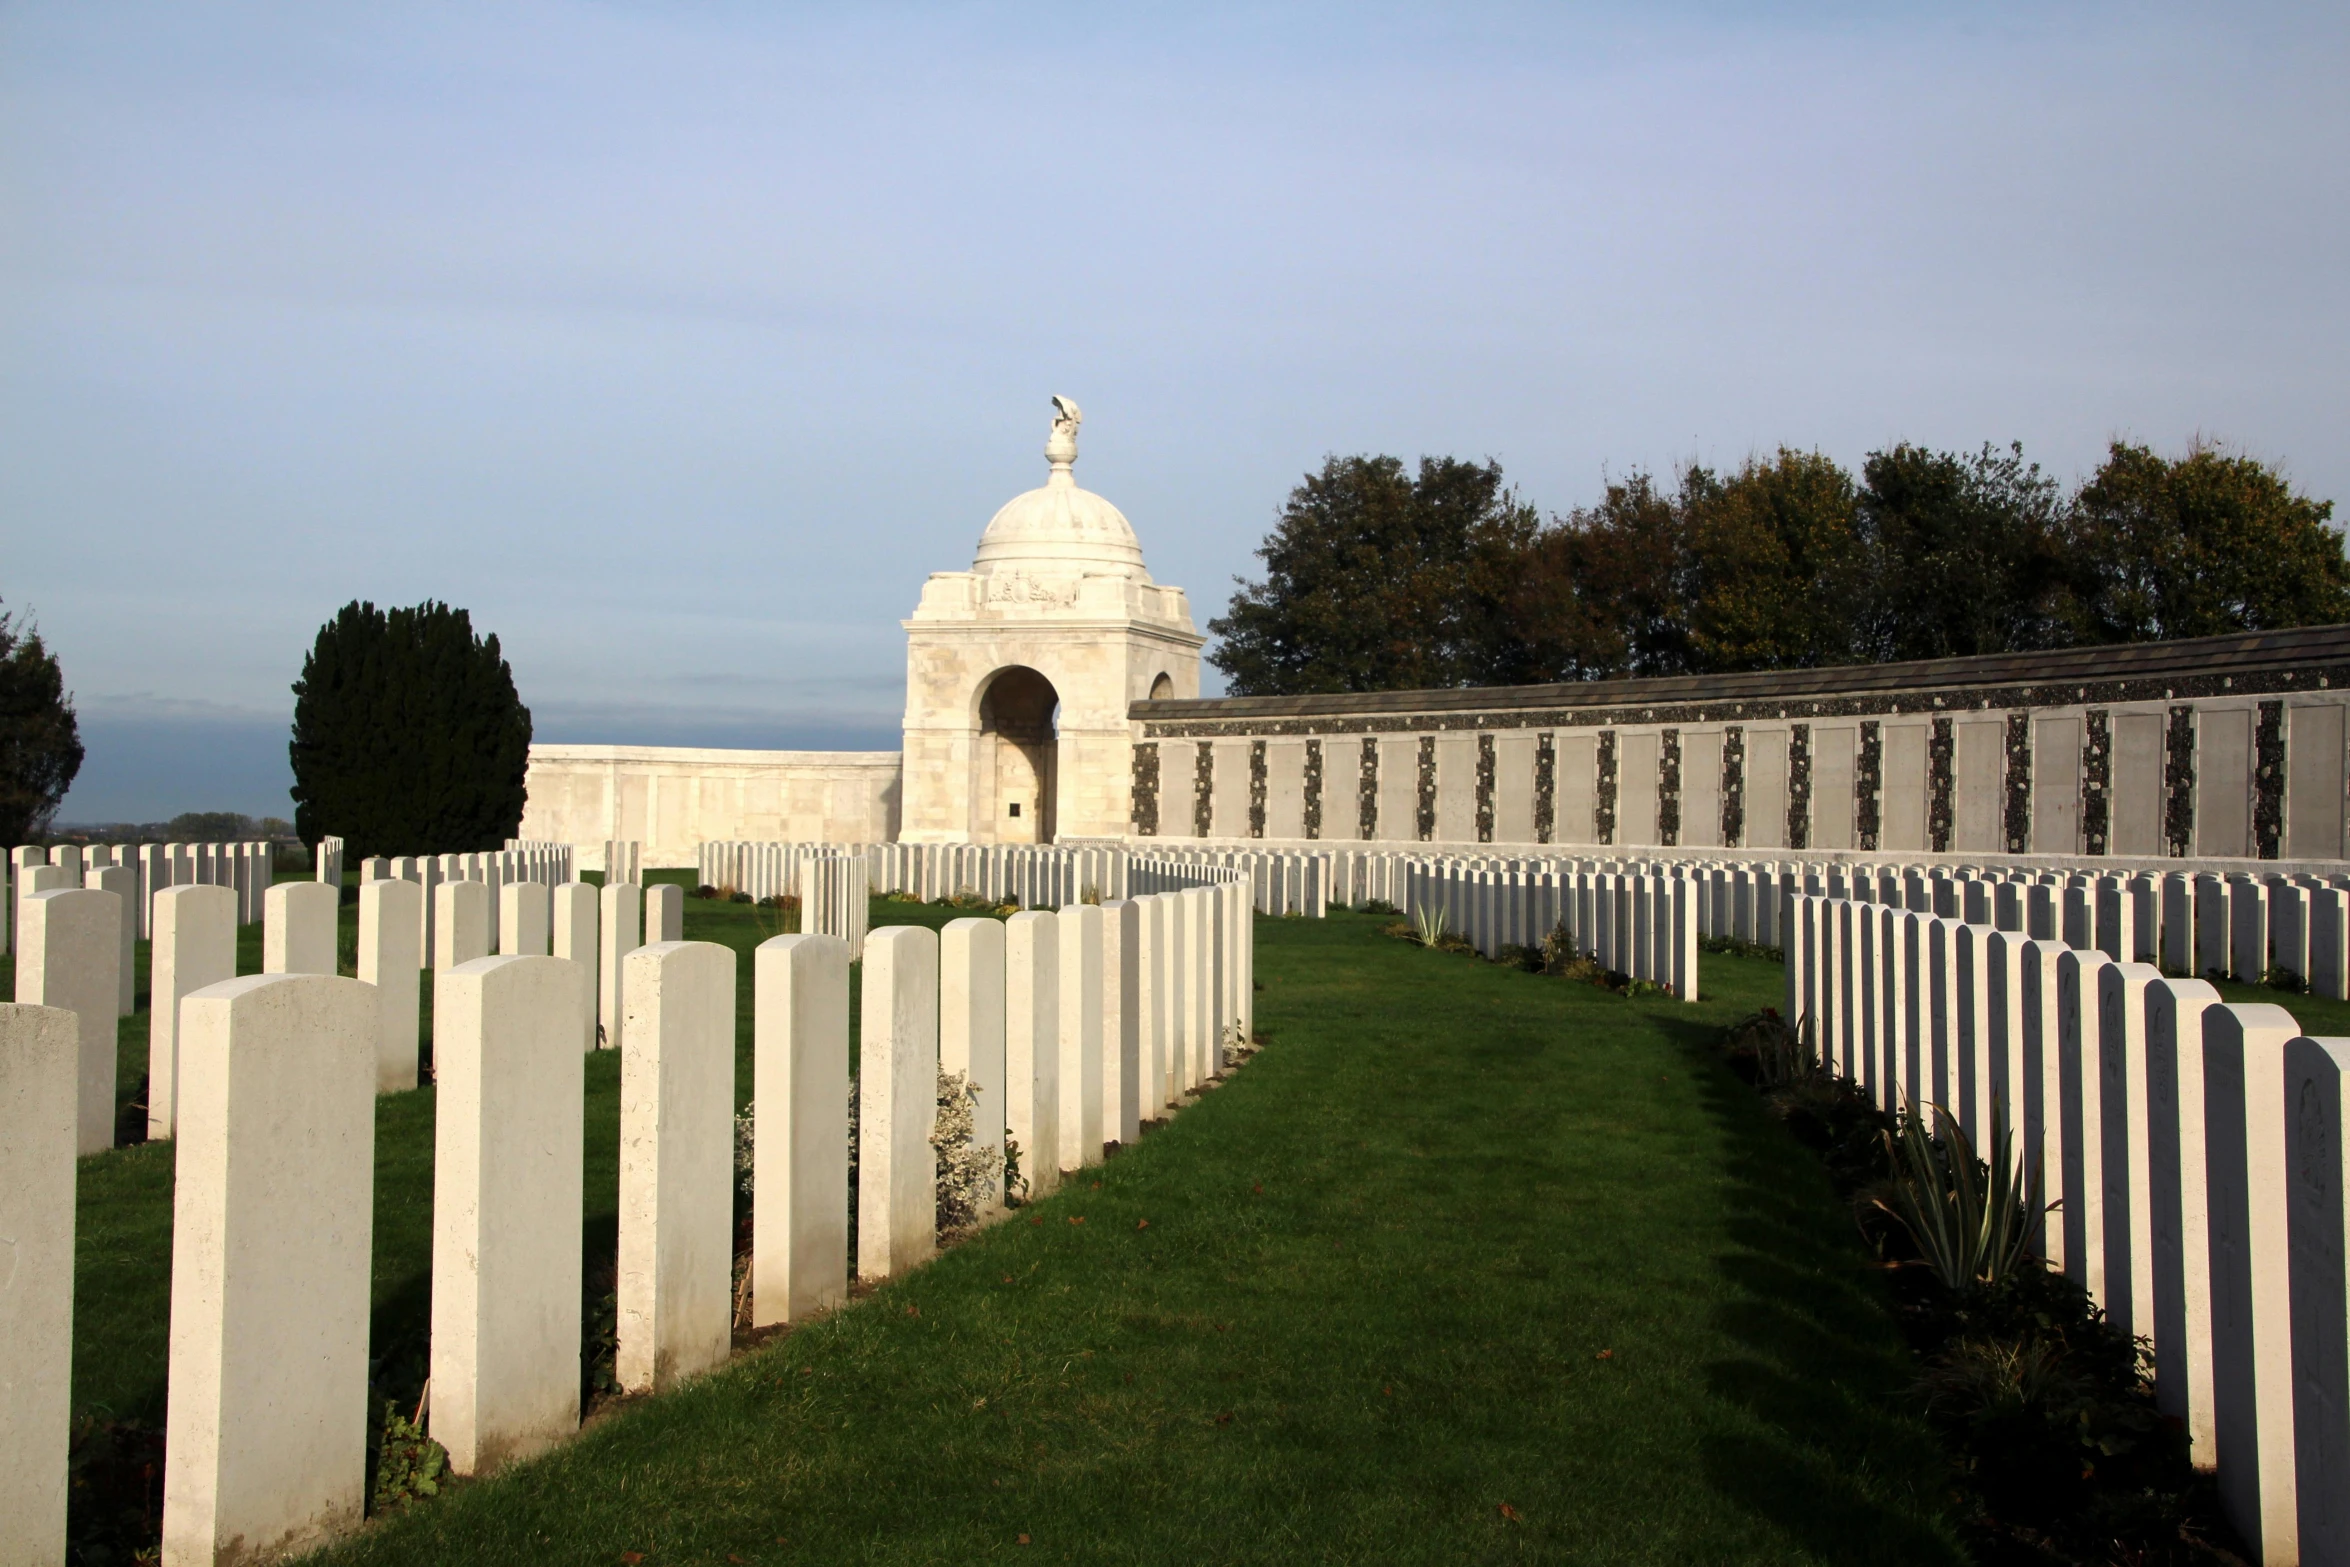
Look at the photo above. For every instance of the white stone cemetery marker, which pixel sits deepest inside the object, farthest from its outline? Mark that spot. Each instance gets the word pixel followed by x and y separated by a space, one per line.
pixel 800 1141
pixel 460 924
pixel 71 947
pixel 40 1050
pixel 507 1197
pixel 1081 1036
pixel 67 857
pixel 665 912
pixel 676 1164
pixel 620 921
pixel 195 945
pixel 273 1219
pixel 1204 1056
pixel 571 934
pixel 2121 1097
pixel 389 959
pixel 2251 1305
pixel 2179 1195
pixel 298 928
pixel 1032 1046
pixel 2042 1093
pixel 897 1102
pixel 2079 1034
pixel 1121 1021
pixel 123 882
pixel 2317 1161
pixel 523 911
pixel 2329 943
pixel 971 1030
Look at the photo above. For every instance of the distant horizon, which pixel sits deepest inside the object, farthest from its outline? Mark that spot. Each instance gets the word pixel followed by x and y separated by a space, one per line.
pixel 678 345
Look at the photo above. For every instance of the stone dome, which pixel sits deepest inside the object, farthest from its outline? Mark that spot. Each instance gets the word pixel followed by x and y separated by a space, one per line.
pixel 1060 528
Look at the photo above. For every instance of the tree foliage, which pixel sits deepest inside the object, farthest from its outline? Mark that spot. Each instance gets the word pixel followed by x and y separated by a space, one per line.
pixel 40 738
pixel 1377 581
pixel 409 737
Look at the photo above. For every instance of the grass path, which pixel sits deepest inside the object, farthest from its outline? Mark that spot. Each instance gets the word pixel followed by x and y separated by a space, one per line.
pixel 1460 1240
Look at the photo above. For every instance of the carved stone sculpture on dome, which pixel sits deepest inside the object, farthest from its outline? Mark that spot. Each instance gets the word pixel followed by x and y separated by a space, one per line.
pixel 1060 448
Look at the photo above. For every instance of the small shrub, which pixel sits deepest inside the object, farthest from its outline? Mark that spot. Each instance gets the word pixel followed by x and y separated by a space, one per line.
pixel 1971 1219
pixel 1769 1053
pixel 1428 924
pixel 1379 906
pixel 1091 894
pixel 967 1176
pixel 409 1465
pixel 1401 930
pixel 1512 955
pixel 1733 947
pixel 2286 980
pixel 705 890
pixel 740 897
pixel 901 896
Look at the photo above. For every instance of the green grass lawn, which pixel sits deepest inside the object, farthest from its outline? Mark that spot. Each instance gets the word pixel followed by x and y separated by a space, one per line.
pixel 1460 1239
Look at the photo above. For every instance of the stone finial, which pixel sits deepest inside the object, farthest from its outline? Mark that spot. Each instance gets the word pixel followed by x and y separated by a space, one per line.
pixel 1060 448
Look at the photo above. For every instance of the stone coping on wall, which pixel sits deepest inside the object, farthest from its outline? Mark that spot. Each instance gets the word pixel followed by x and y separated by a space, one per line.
pixel 2265 663
pixel 705 756
pixel 2098 864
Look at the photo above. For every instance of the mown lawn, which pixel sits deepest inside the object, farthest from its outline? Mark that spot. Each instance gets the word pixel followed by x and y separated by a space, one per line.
pixel 1468 1264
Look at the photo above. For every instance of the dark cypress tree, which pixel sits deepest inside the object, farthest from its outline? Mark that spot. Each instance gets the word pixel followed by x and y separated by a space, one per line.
pixel 409 737
pixel 40 739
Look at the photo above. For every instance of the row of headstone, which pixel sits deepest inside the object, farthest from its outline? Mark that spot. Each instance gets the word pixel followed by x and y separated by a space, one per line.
pixel 2192 1148
pixel 150 867
pixel 1636 924
pixel 836 899
pixel 1075 1026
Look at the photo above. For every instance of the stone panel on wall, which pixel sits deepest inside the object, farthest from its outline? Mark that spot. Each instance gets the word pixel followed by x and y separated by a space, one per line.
pixel 1638 758
pixel 1576 815
pixel 2056 786
pixel 1399 788
pixel 1232 788
pixel 2135 823
pixel 1904 791
pixel 2223 782
pixel 1513 788
pixel 2313 781
pixel 1456 788
pixel 1701 788
pixel 1766 788
pixel 1834 761
pixel 1978 804
pixel 1285 789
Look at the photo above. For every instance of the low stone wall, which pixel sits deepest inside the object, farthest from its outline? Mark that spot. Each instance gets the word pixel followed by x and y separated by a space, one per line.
pixel 673 799
pixel 2221 747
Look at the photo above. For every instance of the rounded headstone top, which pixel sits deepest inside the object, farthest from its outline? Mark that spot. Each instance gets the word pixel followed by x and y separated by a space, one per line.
pixel 1060 525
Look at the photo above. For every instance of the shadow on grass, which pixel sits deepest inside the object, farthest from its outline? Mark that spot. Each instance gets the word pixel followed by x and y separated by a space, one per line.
pixel 1822 1382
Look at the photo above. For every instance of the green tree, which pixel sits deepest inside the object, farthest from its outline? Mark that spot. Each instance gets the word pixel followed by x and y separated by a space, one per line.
pixel 1379 580
pixel 1604 590
pixel 1776 565
pixel 2211 543
pixel 409 737
pixel 1965 554
pixel 40 738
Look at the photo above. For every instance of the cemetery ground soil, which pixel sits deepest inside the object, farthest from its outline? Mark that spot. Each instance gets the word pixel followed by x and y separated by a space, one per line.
pixel 1468 1264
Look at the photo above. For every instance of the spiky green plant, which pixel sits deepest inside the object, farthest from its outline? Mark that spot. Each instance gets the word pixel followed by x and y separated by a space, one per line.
pixel 1428 924
pixel 1971 1218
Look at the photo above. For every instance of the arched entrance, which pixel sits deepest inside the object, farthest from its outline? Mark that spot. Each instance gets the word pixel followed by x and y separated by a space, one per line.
pixel 1017 758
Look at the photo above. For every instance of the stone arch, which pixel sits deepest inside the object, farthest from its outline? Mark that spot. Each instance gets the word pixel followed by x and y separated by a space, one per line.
pixel 1018 760
pixel 1163 687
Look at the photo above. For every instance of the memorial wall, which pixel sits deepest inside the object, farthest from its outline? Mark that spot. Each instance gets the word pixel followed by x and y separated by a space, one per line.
pixel 2221 747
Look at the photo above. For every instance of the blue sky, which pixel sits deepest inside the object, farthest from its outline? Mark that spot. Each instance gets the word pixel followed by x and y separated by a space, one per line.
pixel 679 342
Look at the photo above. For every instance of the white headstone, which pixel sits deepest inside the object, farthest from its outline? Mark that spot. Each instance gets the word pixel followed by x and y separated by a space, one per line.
pixel 195 946
pixel 40 1049
pixel 1081 1035
pixel 524 908
pixel 897 1098
pixel 619 927
pixel 676 1164
pixel 665 912
pixel 507 1197
pixel 572 933
pixel 123 882
pixel 2179 1195
pixel 2251 1304
pixel 298 928
pixel 1121 1021
pixel 2128 1210
pixel 800 1141
pixel 70 948
pixel 390 960
pixel 2317 1161
pixel 461 924
pixel 273 1219
pixel 971 1029
pixel 1032 1046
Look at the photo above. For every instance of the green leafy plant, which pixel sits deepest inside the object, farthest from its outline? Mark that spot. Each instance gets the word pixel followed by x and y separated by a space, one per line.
pixel 1971 1218
pixel 1428 925
pixel 409 1465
